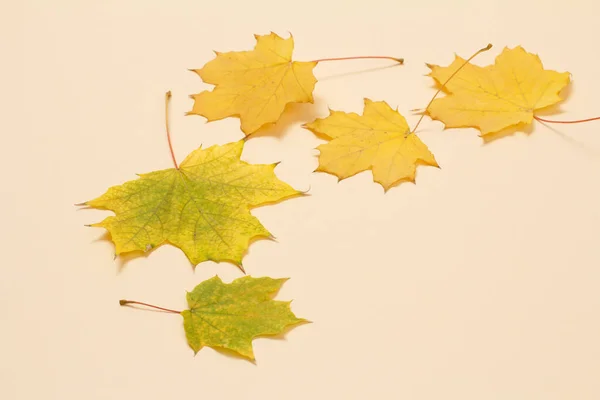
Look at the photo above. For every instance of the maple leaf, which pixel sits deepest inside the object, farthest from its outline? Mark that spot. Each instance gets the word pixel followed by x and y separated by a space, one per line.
pixel 256 85
pixel 379 140
pixel 231 315
pixel 497 96
pixel 202 206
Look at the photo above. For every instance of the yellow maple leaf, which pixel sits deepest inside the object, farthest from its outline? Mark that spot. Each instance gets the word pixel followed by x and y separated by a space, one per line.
pixel 379 140
pixel 256 85
pixel 497 96
pixel 202 206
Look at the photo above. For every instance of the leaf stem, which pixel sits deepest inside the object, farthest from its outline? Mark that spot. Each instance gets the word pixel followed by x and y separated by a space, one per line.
pixel 576 121
pixel 486 48
pixel 398 60
pixel 167 101
pixel 127 302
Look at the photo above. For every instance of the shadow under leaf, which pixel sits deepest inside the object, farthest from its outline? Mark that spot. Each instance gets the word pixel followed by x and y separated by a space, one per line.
pixel 294 113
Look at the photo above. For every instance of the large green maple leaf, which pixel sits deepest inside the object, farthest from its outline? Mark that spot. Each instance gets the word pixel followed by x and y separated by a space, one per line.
pixel 230 315
pixel 202 207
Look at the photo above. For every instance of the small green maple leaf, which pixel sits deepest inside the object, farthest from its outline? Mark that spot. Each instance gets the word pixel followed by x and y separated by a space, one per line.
pixel 202 206
pixel 230 315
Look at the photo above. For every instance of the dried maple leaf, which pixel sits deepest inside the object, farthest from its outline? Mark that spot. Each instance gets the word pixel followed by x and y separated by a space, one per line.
pixel 230 315
pixel 256 85
pixel 379 140
pixel 202 206
pixel 498 96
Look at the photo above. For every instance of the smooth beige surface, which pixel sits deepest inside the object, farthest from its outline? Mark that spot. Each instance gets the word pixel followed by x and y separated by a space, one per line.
pixel 480 282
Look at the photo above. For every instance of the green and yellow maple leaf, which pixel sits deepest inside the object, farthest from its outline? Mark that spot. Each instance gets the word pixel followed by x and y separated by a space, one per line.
pixel 229 316
pixel 202 207
pixel 497 96
pixel 256 85
pixel 379 140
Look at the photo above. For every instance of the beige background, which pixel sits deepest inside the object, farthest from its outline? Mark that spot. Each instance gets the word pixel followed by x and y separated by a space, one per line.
pixel 479 282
